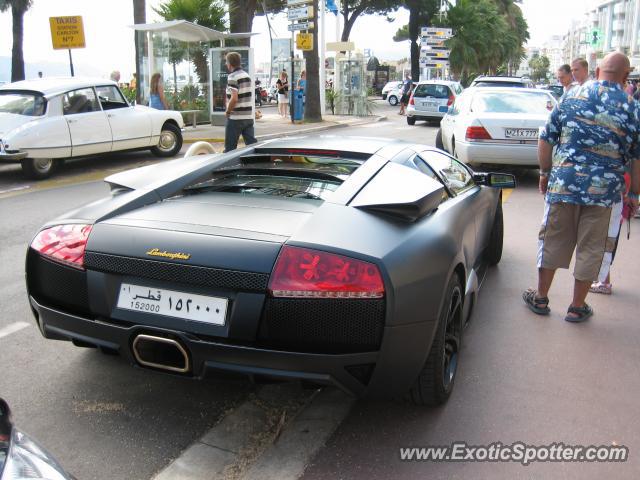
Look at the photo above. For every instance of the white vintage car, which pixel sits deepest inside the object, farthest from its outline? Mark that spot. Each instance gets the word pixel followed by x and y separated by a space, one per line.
pixel 44 121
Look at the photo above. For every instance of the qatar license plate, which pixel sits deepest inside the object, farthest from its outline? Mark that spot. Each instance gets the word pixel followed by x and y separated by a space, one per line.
pixel 521 132
pixel 159 301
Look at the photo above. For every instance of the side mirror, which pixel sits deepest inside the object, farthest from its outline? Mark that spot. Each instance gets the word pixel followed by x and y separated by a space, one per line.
pixel 495 180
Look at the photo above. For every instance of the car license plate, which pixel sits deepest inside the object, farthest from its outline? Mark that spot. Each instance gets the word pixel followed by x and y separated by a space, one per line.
pixel 429 104
pixel 521 132
pixel 171 303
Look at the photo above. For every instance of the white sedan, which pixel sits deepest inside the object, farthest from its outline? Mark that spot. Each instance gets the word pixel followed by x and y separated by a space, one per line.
pixel 495 125
pixel 44 121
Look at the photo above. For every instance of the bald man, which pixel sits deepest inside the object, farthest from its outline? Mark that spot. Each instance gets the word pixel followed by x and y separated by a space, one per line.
pixel 595 130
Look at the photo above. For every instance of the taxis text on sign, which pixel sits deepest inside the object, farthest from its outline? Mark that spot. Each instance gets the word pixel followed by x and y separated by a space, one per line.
pixel 304 41
pixel 67 32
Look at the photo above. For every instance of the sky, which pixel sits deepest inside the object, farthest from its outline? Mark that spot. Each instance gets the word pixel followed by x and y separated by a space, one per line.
pixel 109 40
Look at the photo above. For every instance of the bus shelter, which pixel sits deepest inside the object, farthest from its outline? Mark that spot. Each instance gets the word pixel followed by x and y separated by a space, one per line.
pixel 180 51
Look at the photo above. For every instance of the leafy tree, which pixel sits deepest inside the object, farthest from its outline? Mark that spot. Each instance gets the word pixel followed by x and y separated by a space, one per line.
pixel 352 9
pixel 539 66
pixel 18 9
pixel 421 13
pixel 208 13
pixel 242 13
pixel 139 16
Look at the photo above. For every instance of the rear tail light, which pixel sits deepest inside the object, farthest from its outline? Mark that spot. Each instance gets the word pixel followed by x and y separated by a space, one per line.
pixel 411 101
pixel 477 133
pixel 301 272
pixel 63 243
pixel 451 100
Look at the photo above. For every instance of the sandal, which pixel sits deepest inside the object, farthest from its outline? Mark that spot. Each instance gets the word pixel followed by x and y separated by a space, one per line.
pixel 539 305
pixel 604 288
pixel 581 314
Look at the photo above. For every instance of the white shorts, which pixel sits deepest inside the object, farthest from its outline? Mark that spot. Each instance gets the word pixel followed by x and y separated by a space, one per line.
pixel 283 98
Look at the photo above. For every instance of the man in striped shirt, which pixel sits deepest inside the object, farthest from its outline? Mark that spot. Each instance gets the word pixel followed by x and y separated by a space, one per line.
pixel 239 105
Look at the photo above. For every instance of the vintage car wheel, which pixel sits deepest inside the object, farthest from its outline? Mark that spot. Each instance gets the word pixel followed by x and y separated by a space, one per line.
pixel 38 168
pixel 439 143
pixel 435 382
pixel 494 250
pixel 170 141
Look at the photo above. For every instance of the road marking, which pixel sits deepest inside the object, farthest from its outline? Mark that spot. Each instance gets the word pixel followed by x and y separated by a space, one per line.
pixel 15 189
pixel 13 328
pixel 506 193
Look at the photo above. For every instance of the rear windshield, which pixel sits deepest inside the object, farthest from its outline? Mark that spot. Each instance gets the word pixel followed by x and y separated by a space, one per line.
pixel 28 104
pixel 521 102
pixel 312 177
pixel 431 90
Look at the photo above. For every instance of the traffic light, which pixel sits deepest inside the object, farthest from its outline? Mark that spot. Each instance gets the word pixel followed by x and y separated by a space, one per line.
pixel 595 38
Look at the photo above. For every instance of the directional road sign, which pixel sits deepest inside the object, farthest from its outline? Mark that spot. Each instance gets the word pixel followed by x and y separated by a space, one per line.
pixel 300 13
pixel 300 26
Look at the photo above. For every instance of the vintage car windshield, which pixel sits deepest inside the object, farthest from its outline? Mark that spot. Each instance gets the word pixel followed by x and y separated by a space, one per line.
pixel 29 104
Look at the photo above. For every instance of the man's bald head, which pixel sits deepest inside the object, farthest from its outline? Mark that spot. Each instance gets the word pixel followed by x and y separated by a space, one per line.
pixel 614 67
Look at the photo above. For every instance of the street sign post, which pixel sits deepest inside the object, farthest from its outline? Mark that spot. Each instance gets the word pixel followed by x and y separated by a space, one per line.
pixel 300 13
pixel 436 32
pixel 294 27
pixel 67 33
pixel 304 41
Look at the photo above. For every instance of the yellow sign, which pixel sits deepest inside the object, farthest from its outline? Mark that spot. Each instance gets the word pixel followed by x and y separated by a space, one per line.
pixel 304 41
pixel 66 32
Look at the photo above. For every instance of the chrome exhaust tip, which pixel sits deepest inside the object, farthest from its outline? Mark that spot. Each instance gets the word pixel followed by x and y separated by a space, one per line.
pixel 160 352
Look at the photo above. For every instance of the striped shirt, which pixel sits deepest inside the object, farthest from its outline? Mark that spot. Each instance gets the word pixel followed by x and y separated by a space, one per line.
pixel 240 81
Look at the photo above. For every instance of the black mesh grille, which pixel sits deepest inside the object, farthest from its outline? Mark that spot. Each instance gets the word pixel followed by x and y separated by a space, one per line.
pixel 322 325
pixel 190 274
pixel 57 285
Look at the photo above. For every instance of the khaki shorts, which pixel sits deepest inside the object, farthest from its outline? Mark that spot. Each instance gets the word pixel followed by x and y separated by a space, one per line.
pixel 567 227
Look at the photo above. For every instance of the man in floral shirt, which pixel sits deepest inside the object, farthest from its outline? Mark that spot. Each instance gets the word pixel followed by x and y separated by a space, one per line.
pixel 595 129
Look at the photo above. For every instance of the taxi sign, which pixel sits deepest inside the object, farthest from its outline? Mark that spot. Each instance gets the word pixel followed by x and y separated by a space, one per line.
pixel 67 32
pixel 304 41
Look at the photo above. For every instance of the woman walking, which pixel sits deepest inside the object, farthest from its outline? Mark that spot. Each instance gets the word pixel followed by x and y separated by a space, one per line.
pixel 283 94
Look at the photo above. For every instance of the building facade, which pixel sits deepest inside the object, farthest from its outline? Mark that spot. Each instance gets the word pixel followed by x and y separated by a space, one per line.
pixel 615 24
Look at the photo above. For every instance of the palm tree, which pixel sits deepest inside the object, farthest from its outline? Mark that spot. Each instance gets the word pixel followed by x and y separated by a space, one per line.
pixel 18 9
pixel 208 13
pixel 139 16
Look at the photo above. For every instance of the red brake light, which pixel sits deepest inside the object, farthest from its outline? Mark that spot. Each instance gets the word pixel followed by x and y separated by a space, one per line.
pixel 451 100
pixel 302 272
pixel 411 102
pixel 63 243
pixel 477 133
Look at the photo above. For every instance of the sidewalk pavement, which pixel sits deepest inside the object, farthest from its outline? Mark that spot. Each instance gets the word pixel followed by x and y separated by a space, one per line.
pixel 273 125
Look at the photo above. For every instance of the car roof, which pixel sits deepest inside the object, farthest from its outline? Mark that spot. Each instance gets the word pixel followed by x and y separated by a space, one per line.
pixel 437 82
pixel 501 79
pixel 52 86
pixel 509 90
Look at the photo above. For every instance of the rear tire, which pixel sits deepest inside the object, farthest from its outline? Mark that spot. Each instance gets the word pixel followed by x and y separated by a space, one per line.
pixel 393 100
pixel 435 382
pixel 170 141
pixel 494 249
pixel 439 143
pixel 39 168
pixel 411 120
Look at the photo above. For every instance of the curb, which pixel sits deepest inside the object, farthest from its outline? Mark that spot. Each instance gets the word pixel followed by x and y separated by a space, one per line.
pixel 268 136
pixel 271 436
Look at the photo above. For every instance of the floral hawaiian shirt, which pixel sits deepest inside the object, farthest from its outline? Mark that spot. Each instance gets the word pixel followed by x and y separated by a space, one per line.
pixel 595 129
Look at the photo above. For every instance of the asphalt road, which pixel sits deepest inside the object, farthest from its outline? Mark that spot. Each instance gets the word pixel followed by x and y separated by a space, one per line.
pixel 521 377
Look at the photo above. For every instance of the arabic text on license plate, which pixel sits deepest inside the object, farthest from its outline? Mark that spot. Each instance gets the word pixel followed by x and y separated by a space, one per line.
pixel 160 301
pixel 521 132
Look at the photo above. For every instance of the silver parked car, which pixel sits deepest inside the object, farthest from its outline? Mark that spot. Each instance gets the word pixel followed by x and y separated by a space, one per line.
pixel 431 99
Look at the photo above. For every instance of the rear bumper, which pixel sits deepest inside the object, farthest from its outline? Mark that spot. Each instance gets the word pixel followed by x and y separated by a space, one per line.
pixel 509 154
pixel 423 115
pixel 388 372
